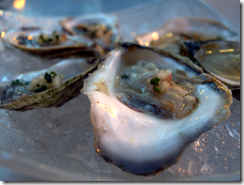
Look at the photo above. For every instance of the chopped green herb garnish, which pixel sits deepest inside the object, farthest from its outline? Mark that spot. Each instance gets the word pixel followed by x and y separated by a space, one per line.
pixel 155 81
pixel 177 82
pixel 17 82
pixel 219 38
pixel 41 37
pixel 56 35
pixel 53 73
pixel 42 88
pixel 48 78
pixel 124 76
pixel 156 89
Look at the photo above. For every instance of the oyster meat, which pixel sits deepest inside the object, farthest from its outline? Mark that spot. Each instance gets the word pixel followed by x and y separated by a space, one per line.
pixel 100 28
pixel 51 87
pixel 151 106
pixel 43 41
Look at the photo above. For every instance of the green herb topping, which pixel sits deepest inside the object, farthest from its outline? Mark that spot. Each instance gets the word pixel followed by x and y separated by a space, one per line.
pixel 53 73
pixel 48 78
pixel 156 89
pixel 41 37
pixel 124 76
pixel 16 82
pixel 55 36
pixel 177 82
pixel 155 81
pixel 42 88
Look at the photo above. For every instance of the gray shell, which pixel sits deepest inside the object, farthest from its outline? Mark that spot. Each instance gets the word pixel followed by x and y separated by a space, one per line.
pixel 53 97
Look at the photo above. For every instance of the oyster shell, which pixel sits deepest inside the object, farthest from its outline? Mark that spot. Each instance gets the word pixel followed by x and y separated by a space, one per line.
pixel 219 58
pixel 128 133
pixel 185 28
pixel 19 97
pixel 43 41
pixel 101 28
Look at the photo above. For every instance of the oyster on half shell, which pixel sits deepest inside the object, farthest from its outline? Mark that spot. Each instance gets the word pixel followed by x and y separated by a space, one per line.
pixel 38 40
pixel 170 35
pixel 45 88
pixel 143 130
pixel 219 58
pixel 100 28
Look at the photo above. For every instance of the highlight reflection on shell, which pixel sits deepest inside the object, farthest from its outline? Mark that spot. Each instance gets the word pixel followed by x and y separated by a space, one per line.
pixel 212 55
pixel 170 34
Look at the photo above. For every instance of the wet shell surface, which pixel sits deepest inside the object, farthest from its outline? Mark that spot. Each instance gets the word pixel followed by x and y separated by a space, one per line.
pixel 43 41
pixel 21 97
pixel 212 55
pixel 186 28
pixel 137 133
pixel 100 28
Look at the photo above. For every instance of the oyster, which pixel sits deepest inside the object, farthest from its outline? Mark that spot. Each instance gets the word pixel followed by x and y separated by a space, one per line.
pixel 43 41
pixel 219 58
pixel 143 130
pixel 170 35
pixel 100 28
pixel 45 88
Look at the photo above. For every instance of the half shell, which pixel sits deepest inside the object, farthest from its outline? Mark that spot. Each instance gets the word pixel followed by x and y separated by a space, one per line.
pixel 169 35
pixel 143 143
pixel 74 70
pixel 101 28
pixel 219 58
pixel 28 39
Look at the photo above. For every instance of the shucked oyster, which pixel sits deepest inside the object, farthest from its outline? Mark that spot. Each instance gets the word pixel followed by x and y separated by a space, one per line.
pixel 196 36
pixel 100 28
pixel 50 87
pixel 43 41
pixel 219 58
pixel 151 106
pixel 170 35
